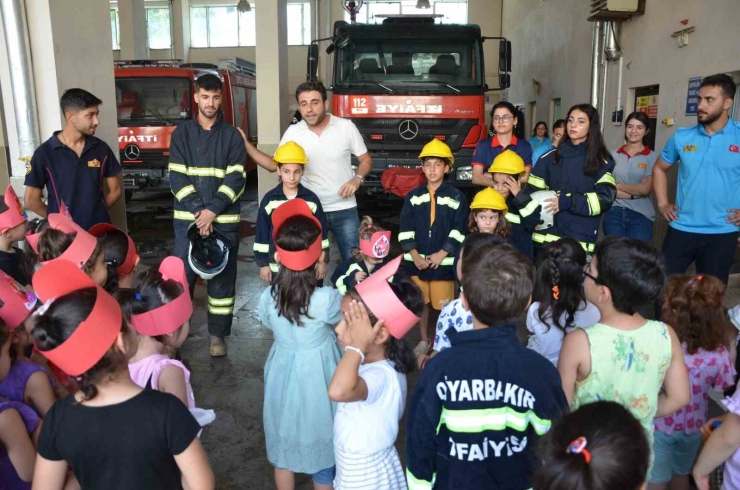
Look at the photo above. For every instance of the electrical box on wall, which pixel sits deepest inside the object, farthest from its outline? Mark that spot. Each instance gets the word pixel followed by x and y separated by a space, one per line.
pixel 617 117
pixel 605 10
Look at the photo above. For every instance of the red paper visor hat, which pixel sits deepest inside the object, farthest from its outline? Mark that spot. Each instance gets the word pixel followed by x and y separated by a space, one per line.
pixel 167 318
pixel 83 245
pixel 14 215
pixel 33 238
pixel 379 245
pixel 376 293
pixel 15 302
pixel 95 335
pixel 301 259
pixel 131 256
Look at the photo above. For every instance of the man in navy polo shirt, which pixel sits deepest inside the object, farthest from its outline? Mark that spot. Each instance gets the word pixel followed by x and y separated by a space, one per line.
pixel 74 165
pixel 703 225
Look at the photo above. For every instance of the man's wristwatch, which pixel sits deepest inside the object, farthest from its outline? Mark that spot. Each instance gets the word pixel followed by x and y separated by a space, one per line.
pixel 362 179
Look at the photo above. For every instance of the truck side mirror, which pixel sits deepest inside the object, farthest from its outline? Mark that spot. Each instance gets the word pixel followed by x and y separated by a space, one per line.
pixel 504 80
pixel 504 56
pixel 312 62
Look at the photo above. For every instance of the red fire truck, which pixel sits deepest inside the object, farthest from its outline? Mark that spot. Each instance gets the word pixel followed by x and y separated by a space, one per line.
pixel 407 81
pixel 154 97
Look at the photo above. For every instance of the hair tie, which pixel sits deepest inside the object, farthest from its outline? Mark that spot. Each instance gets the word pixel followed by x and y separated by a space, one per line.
pixel 555 293
pixel 698 278
pixel 137 296
pixel 579 447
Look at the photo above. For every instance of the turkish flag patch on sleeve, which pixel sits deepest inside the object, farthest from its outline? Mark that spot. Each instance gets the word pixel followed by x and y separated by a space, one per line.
pixel 734 149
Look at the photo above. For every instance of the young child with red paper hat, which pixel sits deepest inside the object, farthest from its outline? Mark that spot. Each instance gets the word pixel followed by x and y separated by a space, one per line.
pixel 370 380
pixel 298 416
pixel 26 381
pixel 374 250
pixel 113 433
pixel 120 256
pixel 13 260
pixel 19 426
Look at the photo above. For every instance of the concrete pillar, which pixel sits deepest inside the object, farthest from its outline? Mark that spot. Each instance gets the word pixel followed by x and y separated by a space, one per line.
pixel 59 37
pixel 272 82
pixel 132 23
pixel 181 29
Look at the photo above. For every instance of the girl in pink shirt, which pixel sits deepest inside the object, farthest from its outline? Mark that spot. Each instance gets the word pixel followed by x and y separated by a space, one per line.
pixel 693 305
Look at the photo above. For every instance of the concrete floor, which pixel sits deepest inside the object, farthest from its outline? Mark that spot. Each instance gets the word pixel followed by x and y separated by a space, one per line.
pixel 233 386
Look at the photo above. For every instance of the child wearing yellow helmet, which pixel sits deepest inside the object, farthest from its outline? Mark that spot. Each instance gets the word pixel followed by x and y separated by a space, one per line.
pixel 432 228
pixel 523 214
pixel 290 160
pixel 487 213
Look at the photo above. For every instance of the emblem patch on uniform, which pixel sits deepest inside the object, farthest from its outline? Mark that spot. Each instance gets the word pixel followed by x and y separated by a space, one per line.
pixel 642 166
pixel 734 149
pixel 94 163
pixel 28 168
pixel 688 148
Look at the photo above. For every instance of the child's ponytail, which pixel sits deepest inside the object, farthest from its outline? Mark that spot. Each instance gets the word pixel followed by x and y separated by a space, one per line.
pixel 559 283
pixel 600 446
pixel 53 243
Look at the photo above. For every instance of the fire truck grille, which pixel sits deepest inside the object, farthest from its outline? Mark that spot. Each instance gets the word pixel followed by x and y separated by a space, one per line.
pixel 409 134
pixel 147 158
pixel 392 123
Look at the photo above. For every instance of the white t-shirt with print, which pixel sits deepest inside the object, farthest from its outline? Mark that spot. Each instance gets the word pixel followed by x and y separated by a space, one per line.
pixel 329 166
pixel 547 339
pixel 452 315
pixel 370 426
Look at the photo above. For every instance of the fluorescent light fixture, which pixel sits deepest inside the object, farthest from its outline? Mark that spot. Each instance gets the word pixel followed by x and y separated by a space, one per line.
pixel 243 6
pixel 423 4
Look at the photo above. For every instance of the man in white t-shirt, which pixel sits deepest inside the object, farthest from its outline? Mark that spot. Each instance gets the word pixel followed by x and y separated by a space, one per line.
pixel 329 142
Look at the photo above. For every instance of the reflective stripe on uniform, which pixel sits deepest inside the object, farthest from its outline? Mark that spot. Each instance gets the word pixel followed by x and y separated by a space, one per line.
pixel 325 243
pixel 540 238
pixel 235 168
pixel 221 301
pixel 228 191
pixel 177 167
pixel 456 235
pixel 448 201
pixel 184 192
pixel 273 205
pixel 262 248
pixel 607 178
pixel 593 203
pixel 184 215
pixel 537 181
pixel 497 419
pixel 221 218
pixel 417 484
pixel 445 261
pixel 207 172
pixel 528 209
pixel 274 267
pixel 340 281
pixel 223 311
pixel 406 235
pixel 419 200
pixel 513 218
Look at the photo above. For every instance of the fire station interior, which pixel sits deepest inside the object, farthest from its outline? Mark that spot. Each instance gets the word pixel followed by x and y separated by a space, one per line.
pixel 141 57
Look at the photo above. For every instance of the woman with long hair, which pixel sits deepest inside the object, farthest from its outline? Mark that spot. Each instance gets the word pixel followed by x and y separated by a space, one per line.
pixel 580 170
pixel 540 136
pixel 633 212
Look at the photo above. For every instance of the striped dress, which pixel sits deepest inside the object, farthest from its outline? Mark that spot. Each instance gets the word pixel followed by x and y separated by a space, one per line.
pixel 365 432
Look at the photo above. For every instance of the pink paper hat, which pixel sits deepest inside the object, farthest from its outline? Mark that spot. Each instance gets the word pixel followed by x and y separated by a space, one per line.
pixel 129 263
pixel 83 245
pixel 15 302
pixel 376 293
pixel 14 215
pixel 167 318
pixel 378 246
pixel 33 238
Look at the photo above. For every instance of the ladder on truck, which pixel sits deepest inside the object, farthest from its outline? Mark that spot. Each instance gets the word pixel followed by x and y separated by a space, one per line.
pixel 238 65
pixel 139 63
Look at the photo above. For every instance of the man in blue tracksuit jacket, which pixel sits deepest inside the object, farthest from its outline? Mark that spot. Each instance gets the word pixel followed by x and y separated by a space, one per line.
pixel 480 407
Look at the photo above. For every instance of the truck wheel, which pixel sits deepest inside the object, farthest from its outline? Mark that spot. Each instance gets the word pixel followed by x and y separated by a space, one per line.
pixel 128 195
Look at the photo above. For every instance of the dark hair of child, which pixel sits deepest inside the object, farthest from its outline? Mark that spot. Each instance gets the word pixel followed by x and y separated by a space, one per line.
pixel 503 266
pixel 445 160
pixel 615 457
pixel 367 228
pixel 115 248
pixel 292 290
pixel 559 265
pixel 4 333
pixel 53 243
pixel 24 261
pixel 397 350
pixel 632 269
pixel 502 227
pixel 153 292
pixel 692 305
pixel 61 320
pixel 477 239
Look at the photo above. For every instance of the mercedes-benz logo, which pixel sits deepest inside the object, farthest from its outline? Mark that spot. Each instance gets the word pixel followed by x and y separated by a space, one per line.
pixel 131 152
pixel 408 129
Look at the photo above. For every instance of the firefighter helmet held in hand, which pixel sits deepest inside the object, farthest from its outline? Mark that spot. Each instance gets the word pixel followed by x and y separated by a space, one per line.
pixel 207 255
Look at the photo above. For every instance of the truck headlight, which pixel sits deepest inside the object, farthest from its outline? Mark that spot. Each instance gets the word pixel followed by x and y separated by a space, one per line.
pixel 464 174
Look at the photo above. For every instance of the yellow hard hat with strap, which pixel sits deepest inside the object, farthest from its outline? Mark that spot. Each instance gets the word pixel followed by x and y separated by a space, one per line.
pixel 507 162
pixel 291 152
pixel 488 198
pixel 436 148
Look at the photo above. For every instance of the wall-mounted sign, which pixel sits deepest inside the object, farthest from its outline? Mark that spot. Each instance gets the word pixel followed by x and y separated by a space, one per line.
pixel 692 98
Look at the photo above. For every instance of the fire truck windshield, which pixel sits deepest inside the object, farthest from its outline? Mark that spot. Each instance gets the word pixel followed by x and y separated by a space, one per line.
pixel 409 67
pixel 153 101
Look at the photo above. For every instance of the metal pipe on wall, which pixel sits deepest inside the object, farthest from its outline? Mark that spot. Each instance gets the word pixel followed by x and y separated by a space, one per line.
pixel 15 25
pixel 596 56
pixel 607 42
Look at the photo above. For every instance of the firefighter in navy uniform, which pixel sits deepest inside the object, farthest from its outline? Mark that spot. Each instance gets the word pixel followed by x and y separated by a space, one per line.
pixel 207 177
pixel 580 171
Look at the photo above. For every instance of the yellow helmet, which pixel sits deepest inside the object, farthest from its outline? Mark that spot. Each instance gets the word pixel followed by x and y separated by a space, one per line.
pixel 436 148
pixel 489 199
pixel 290 152
pixel 507 162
